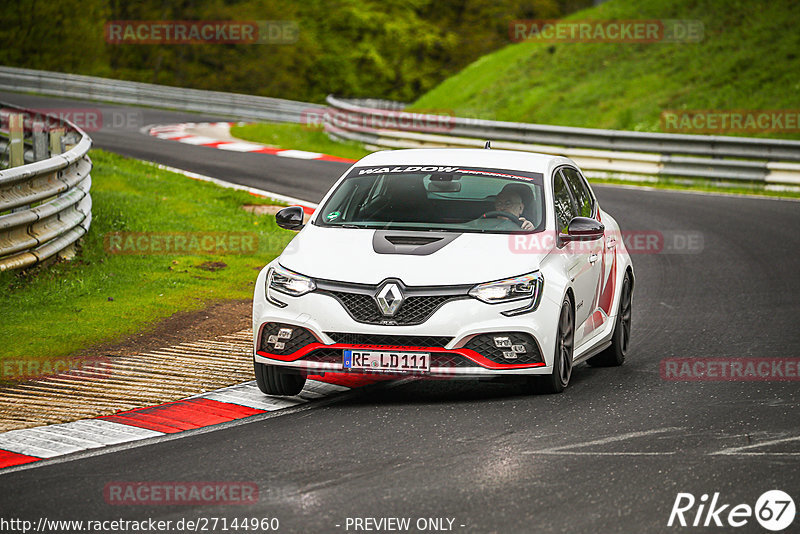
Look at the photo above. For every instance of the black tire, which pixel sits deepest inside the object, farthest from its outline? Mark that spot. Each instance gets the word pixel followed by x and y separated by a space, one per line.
pixel 274 380
pixel 558 380
pixel 614 355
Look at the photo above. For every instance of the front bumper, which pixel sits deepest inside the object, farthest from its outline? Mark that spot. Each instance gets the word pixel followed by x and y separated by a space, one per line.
pixel 450 335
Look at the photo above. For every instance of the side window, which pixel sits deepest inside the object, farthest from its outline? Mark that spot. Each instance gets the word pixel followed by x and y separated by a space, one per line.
pixel 563 203
pixel 580 192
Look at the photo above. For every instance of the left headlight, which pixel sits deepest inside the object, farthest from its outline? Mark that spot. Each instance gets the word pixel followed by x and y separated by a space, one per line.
pixel 287 282
pixel 527 286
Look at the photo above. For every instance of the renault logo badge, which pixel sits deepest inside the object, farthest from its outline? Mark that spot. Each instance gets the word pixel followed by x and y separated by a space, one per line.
pixel 389 299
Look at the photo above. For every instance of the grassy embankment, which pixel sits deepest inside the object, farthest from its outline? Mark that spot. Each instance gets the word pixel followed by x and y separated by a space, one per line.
pixel 54 310
pixel 748 59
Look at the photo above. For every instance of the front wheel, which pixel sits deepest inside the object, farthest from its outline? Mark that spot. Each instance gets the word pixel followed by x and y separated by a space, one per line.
pixel 558 380
pixel 614 355
pixel 274 380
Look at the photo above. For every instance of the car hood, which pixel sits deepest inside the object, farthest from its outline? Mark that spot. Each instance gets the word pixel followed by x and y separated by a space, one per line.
pixel 349 255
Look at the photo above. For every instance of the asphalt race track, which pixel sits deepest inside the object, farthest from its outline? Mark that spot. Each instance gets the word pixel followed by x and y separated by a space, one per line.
pixel 611 454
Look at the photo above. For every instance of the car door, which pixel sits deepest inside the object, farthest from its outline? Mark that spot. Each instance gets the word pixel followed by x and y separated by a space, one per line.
pixel 585 265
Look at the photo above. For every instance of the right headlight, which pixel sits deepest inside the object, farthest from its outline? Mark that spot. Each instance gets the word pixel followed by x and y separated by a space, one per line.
pixel 526 286
pixel 287 282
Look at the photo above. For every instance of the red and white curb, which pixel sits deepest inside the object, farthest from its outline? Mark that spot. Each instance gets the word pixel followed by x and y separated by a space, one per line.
pixel 186 133
pixel 18 447
pixel 28 445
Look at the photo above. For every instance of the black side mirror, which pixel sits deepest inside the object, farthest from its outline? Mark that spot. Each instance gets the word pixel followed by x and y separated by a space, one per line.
pixel 290 218
pixel 583 229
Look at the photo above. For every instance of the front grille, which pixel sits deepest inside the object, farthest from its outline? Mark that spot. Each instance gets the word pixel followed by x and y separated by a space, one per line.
pixel 324 356
pixel 485 346
pixel 448 359
pixel 414 310
pixel 385 339
pixel 300 337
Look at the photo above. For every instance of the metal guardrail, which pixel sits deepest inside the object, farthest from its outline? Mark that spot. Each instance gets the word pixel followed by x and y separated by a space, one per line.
pixel 159 96
pixel 45 206
pixel 602 151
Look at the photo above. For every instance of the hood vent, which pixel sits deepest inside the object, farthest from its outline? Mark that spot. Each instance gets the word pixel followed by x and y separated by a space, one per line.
pixel 411 240
pixel 410 243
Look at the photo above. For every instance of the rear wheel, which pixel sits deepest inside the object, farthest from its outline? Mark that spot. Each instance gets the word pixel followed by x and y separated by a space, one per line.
pixel 558 380
pixel 274 380
pixel 614 355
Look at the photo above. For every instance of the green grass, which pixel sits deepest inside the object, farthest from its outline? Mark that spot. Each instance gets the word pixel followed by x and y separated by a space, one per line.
pixel 54 310
pixel 296 136
pixel 749 59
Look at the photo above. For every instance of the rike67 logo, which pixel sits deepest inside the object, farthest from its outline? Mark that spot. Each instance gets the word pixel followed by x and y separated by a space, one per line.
pixel 774 510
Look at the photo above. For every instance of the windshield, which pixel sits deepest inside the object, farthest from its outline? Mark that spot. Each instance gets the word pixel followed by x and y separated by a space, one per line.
pixel 458 199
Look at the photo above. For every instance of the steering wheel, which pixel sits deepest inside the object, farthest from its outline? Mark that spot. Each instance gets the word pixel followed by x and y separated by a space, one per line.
pixel 505 215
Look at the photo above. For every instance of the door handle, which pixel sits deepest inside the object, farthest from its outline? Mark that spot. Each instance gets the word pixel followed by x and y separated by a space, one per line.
pixel 611 242
pixel 593 258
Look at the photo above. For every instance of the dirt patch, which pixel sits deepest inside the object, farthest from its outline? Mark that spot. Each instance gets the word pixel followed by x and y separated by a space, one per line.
pixel 212 265
pixel 270 209
pixel 216 320
pixel 182 355
pixel 262 209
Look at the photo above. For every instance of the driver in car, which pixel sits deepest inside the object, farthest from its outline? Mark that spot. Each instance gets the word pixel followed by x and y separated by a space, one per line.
pixel 511 202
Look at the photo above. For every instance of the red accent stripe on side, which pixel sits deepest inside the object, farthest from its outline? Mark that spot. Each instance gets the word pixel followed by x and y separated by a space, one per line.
pixel 607 296
pixel 182 415
pixel 8 459
pixel 307 210
pixel 326 157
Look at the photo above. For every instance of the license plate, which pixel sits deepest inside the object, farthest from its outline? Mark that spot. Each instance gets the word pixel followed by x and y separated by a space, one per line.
pixel 387 360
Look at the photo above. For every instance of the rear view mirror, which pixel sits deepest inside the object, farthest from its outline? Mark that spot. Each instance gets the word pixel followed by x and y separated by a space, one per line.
pixel 444 183
pixel 290 218
pixel 444 187
pixel 583 229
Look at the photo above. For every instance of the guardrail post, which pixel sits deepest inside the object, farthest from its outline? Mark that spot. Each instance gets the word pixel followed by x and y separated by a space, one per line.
pixel 16 139
pixel 40 149
pixel 55 141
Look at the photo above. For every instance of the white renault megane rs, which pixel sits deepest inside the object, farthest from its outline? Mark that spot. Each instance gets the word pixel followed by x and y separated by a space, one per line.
pixel 446 263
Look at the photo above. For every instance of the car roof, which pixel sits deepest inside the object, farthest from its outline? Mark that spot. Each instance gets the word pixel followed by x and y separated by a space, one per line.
pixel 467 157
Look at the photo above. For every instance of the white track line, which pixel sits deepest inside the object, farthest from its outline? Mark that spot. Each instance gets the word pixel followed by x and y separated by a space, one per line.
pixel 737 451
pixel 238 187
pixel 565 449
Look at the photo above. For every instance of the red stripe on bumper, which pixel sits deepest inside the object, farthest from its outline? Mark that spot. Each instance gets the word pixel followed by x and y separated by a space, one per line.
pixel 183 415
pixel 8 459
pixel 467 353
